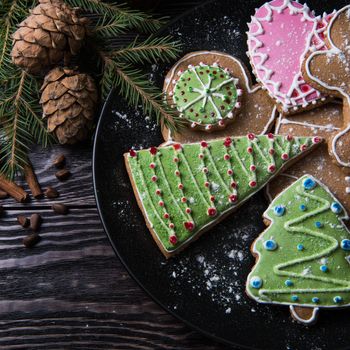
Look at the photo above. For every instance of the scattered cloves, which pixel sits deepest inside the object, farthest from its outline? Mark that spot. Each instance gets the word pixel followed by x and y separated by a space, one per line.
pixel 31 240
pixel 35 222
pixel 51 193
pixel 60 161
pixel 60 208
pixel 23 221
pixel 63 174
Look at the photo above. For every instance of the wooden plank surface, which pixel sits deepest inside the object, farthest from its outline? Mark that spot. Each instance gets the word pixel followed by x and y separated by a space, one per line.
pixel 71 291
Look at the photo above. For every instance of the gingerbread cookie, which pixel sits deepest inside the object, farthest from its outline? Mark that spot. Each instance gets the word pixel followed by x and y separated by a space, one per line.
pixel 185 189
pixel 325 121
pixel 302 258
pixel 329 71
pixel 280 34
pixel 255 111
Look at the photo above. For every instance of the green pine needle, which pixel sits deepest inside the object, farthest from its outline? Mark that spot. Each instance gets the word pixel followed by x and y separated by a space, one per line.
pixel 151 50
pixel 111 10
pixel 136 88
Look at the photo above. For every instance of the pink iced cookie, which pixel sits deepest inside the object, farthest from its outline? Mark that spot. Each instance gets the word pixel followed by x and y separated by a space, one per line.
pixel 280 34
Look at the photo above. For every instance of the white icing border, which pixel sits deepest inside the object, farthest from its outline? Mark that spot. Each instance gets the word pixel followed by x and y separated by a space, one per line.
pixel 298 80
pixel 342 218
pixel 257 189
pixel 333 50
pixel 311 320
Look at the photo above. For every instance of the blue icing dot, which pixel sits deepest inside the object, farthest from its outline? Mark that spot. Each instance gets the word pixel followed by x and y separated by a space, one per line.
pixel 324 268
pixel 315 300
pixel 318 224
pixel 279 210
pixel 300 247
pixel 302 207
pixel 309 183
pixel 294 298
pixel 345 244
pixel 336 208
pixel 288 283
pixel 256 282
pixel 337 299
pixel 270 244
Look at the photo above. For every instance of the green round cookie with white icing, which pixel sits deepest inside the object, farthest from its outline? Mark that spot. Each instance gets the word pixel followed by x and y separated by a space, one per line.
pixel 207 96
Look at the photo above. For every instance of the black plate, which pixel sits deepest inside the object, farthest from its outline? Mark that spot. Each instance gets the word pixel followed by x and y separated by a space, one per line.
pixel 204 286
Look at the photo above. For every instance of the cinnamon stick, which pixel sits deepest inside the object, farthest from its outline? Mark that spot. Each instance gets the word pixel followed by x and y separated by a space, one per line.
pixel 32 181
pixel 13 189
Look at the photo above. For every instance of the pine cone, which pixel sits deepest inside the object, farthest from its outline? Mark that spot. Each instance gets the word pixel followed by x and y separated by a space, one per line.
pixel 42 39
pixel 69 100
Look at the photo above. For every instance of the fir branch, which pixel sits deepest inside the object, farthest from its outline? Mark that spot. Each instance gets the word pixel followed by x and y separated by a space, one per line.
pixel 151 50
pixel 134 86
pixel 107 28
pixel 135 19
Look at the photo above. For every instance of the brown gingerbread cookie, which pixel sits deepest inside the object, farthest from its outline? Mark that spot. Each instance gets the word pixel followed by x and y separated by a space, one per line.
pixel 329 72
pixel 325 121
pixel 254 110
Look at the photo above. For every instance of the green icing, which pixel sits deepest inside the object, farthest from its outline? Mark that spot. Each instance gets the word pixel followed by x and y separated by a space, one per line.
pixel 206 94
pixel 193 181
pixel 309 254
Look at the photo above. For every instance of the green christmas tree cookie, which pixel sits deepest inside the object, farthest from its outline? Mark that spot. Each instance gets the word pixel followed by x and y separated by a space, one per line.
pixel 303 256
pixel 183 190
pixel 206 96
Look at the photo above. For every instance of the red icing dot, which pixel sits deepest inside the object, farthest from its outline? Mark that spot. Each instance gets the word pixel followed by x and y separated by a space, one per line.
pixel 251 136
pixel 212 198
pixel 188 210
pixel 271 151
pixel 188 79
pixel 177 173
pixel 205 170
pixel 152 165
pixel 171 225
pixel 154 178
pixel 200 155
pixel 206 184
pixel 252 167
pixel 232 198
pixel 161 203
pixel 158 192
pixel 250 150
pixel 289 137
pixel 211 211
pixel 271 168
pixel 215 72
pixel 252 184
pixel 233 184
pixel 132 153
pixel 189 225
pixel 183 199
pixel 153 150
pixel 285 156
pixel 204 144
pixel 316 139
pixel 295 93
pixel 166 216
pixel 221 123
pixel 176 159
pixel 270 136
pixel 227 142
pixel 305 88
pixel 180 186
pixel 227 156
pixel 229 172
pixel 173 239
pixel 303 147
pixel 177 146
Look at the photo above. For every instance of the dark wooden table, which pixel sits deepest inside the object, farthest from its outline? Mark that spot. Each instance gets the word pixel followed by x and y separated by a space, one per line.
pixel 71 291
